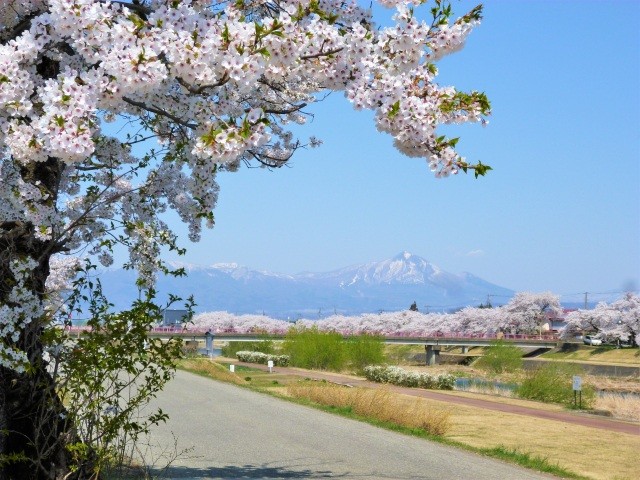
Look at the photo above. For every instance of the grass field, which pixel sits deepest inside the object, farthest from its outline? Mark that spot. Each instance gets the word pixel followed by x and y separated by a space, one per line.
pixel 603 354
pixel 581 452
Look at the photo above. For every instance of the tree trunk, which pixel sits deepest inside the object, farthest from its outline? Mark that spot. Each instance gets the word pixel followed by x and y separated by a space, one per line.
pixel 33 426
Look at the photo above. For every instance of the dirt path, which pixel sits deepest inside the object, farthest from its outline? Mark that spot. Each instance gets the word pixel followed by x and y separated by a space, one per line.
pixel 584 419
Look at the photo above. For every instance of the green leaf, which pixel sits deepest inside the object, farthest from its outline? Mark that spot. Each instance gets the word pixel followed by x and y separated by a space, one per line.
pixel 394 110
pixel 480 169
pixel 264 52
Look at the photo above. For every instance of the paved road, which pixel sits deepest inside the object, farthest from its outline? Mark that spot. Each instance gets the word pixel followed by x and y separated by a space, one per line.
pixel 236 433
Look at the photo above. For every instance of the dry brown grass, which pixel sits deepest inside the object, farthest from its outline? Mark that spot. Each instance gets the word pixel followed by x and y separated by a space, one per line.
pixel 211 369
pixel 378 404
pixel 614 384
pixel 594 453
pixel 622 406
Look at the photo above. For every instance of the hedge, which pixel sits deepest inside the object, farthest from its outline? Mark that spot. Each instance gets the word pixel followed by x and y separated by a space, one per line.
pixel 259 357
pixel 405 378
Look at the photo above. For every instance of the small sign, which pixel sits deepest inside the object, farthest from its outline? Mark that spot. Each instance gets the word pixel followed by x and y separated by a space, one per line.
pixel 232 368
pixel 270 365
pixel 577 383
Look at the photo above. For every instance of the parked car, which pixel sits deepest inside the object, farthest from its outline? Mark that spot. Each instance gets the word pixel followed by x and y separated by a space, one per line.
pixel 591 340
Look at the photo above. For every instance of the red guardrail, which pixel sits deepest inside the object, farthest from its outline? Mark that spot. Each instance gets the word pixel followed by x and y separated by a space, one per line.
pixel 448 335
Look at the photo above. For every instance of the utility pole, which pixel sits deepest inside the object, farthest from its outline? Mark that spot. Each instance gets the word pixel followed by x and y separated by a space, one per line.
pixel 586 295
pixel 489 300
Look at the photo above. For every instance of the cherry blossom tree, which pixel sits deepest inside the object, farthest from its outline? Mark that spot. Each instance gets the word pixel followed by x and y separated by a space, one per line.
pixel 468 321
pixel 216 84
pixel 617 321
pixel 527 312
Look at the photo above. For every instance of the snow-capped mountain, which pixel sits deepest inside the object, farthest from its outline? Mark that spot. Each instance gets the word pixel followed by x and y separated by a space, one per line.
pixel 404 268
pixel 392 284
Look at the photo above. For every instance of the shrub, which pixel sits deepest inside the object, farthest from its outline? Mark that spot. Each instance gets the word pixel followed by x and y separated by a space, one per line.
pixel 405 378
pixel 553 383
pixel 501 357
pixel 365 350
pixel 264 346
pixel 190 349
pixel 311 348
pixel 263 358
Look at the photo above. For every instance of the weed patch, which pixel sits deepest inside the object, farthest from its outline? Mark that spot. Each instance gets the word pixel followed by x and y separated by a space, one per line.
pixel 552 383
pixel 501 357
pixel 377 404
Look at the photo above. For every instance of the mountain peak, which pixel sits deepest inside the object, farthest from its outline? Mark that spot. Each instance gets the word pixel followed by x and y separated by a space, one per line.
pixel 404 254
pixel 225 266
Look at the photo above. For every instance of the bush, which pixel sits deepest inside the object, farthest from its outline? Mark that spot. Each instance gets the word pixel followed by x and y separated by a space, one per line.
pixel 553 383
pixel 398 376
pixel 311 348
pixel 501 357
pixel 264 346
pixel 365 350
pixel 263 358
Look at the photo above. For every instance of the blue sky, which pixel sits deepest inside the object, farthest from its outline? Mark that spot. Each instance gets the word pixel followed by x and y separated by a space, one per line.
pixel 560 211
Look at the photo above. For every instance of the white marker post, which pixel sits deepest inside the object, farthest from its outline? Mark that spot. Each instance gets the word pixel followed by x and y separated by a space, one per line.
pixel 577 389
pixel 270 365
pixel 232 368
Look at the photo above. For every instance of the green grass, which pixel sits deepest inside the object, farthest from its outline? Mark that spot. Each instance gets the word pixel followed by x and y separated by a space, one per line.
pixel 602 354
pixel 501 357
pixel 524 459
pixel 552 382
pixel 313 349
pixel 318 350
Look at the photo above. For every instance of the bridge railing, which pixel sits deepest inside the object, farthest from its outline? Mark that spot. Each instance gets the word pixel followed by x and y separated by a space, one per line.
pixel 402 334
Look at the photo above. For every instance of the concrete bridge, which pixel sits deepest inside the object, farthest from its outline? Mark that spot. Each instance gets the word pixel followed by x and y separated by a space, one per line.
pixel 432 344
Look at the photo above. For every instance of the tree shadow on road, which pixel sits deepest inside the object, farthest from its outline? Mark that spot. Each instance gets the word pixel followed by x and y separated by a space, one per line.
pixel 244 471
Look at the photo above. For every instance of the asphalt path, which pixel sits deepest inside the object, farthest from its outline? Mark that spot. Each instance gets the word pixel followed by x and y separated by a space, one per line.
pixel 232 432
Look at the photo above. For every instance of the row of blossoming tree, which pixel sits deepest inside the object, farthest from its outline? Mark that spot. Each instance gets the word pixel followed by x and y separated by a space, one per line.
pixel 526 313
pixel 618 321
pixel 215 84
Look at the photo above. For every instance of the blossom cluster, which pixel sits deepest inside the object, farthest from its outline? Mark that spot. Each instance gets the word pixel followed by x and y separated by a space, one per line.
pixel 203 87
pixel 263 358
pixel 406 378
pixel 21 307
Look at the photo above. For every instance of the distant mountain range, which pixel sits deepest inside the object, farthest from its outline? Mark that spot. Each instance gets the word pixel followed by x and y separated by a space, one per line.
pixel 389 285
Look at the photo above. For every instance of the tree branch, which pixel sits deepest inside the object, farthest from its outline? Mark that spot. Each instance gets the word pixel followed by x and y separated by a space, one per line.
pixel 140 9
pixel 295 108
pixel 321 54
pixel 202 88
pixel 159 111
